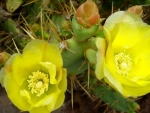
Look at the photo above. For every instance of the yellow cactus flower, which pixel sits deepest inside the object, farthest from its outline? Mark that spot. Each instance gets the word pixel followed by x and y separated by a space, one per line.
pixel 123 58
pixel 35 80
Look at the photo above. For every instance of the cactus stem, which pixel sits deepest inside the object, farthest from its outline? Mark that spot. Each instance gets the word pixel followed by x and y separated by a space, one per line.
pixel 90 54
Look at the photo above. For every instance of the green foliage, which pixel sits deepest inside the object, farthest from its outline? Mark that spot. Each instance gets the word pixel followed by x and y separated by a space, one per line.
pixel 140 2
pixel 13 29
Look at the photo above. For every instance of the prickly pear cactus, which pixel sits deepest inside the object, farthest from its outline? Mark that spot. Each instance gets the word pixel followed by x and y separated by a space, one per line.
pixel 70 41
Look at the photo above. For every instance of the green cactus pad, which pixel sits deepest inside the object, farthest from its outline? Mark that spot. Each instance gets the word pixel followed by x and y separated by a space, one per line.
pixel 82 33
pixel 12 5
pixel 116 100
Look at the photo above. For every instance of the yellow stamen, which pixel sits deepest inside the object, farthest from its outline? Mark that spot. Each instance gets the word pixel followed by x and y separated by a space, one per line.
pixel 123 63
pixel 38 83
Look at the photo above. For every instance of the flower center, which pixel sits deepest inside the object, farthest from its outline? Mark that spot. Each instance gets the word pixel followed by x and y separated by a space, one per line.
pixel 38 83
pixel 123 63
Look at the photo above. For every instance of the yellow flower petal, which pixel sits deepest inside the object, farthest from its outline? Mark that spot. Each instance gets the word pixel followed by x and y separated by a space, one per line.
pixel 25 64
pixel 59 102
pixel 62 80
pixel 113 77
pixel 136 92
pixel 124 39
pixel 41 109
pixel 49 99
pixel 50 52
pixel 101 45
pixel 119 17
pixel 13 92
pixel 51 68
pixel 8 64
pixel 142 64
pixel 143 82
pixel 25 94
